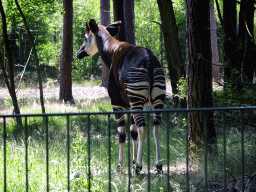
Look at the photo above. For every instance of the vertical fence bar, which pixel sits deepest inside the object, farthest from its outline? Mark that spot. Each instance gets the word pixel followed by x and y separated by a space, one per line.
pixel 109 155
pixel 148 151
pixel 68 147
pixel 224 150
pixel 47 153
pixel 205 151
pixel 89 152
pixel 5 137
pixel 129 156
pixel 168 152
pixel 187 153
pixel 242 147
pixel 26 150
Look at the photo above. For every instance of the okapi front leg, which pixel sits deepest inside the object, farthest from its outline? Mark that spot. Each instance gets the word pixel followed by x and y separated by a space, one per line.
pixel 121 132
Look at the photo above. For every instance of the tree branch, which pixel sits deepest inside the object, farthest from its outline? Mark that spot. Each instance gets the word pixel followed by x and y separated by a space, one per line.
pixel 219 13
pixel 36 57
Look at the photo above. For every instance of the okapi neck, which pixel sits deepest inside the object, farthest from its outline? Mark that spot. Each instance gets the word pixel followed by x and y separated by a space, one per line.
pixel 106 47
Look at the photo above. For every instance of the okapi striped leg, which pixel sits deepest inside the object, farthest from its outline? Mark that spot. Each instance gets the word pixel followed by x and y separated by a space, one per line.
pixel 142 134
pixel 121 132
pixel 134 134
pixel 157 132
pixel 122 136
pixel 157 101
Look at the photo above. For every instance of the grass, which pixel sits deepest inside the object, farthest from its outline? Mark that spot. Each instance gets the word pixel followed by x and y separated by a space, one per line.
pixel 16 171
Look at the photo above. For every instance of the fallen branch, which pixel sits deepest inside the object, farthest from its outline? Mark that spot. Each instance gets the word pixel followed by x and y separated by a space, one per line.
pixel 249 180
pixel 25 68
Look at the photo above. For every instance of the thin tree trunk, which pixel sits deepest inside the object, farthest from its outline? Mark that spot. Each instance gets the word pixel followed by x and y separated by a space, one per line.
pixel 36 57
pixel 67 53
pixel 214 44
pixel 9 83
pixel 129 21
pixel 245 38
pixel 105 20
pixel 231 64
pixel 172 48
pixel 199 71
pixel 119 16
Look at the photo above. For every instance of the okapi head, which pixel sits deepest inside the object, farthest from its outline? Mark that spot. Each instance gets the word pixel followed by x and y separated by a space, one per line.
pixel 89 46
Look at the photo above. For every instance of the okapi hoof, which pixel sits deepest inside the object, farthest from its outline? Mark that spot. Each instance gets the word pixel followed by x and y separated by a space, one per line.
pixel 119 168
pixel 159 168
pixel 137 168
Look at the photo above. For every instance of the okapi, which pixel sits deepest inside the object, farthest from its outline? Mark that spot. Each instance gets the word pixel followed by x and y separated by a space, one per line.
pixel 136 77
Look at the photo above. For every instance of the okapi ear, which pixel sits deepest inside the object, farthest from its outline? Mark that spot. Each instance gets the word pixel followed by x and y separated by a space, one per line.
pixel 87 27
pixel 113 28
pixel 93 25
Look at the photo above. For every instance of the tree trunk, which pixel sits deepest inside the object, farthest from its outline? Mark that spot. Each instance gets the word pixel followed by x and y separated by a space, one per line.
pixel 199 71
pixel 232 68
pixel 67 53
pixel 36 57
pixel 172 47
pixel 129 21
pixel 214 44
pixel 9 83
pixel 245 39
pixel 105 20
pixel 119 16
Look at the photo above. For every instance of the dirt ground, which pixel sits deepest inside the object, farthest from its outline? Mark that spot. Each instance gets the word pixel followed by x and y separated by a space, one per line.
pixel 80 93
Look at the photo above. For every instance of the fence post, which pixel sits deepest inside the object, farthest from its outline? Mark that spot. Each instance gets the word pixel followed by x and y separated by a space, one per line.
pixel 89 152
pixel 205 149
pixel 26 151
pixel 168 152
pixel 242 147
pixel 224 150
pixel 68 147
pixel 129 156
pixel 148 152
pixel 47 153
pixel 187 153
pixel 109 155
pixel 5 137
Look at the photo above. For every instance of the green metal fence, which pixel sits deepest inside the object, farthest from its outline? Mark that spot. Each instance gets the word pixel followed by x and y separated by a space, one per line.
pixel 167 125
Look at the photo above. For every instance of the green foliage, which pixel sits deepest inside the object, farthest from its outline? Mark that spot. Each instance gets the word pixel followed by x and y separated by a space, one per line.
pixel 233 98
pixel 182 88
pixel 46 18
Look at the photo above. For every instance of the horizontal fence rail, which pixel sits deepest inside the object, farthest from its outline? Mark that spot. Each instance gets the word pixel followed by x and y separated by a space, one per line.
pixel 166 126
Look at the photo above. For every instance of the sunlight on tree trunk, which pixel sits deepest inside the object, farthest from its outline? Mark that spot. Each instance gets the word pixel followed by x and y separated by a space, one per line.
pixel 172 47
pixel 214 44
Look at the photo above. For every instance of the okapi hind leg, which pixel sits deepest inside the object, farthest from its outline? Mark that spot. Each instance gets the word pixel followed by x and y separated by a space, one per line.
pixel 122 136
pixel 134 134
pixel 157 102
pixel 157 132
pixel 142 134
